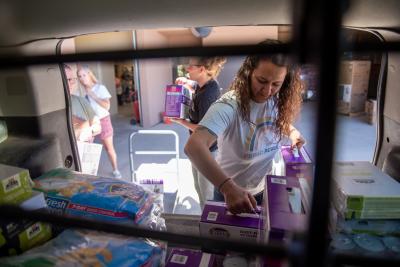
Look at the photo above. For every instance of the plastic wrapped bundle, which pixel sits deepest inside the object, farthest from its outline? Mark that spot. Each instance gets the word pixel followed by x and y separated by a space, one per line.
pixel 101 198
pixel 89 248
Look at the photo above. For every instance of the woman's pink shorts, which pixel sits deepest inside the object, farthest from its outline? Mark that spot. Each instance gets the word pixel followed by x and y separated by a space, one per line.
pixel 106 128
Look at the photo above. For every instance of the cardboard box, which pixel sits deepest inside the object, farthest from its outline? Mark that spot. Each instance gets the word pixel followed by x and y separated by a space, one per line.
pixel 362 191
pixel 285 207
pixel 15 184
pixel 353 86
pixel 192 258
pixel 300 167
pixel 371 110
pixel 19 236
pixel 216 221
pixel 177 101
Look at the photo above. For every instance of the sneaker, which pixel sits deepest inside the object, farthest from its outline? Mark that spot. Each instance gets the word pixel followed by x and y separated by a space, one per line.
pixel 116 174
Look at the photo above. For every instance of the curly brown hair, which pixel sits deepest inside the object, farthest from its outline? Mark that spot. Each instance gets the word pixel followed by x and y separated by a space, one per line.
pixel 213 65
pixel 288 100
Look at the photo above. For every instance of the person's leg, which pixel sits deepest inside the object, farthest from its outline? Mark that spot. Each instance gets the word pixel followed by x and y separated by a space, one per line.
pixel 106 136
pixel 109 147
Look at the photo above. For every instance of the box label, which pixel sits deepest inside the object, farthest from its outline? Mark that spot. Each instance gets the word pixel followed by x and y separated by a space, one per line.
pixel 179 259
pixel 57 205
pixel 345 92
pixel 278 181
pixel 34 230
pixel 212 216
pixel 11 183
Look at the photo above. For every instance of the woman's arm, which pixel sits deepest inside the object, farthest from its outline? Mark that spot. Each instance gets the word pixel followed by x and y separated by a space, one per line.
pixel 238 200
pixel 105 103
pixel 185 123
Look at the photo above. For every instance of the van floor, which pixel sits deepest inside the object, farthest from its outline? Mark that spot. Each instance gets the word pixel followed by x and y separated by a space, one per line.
pixel 355 140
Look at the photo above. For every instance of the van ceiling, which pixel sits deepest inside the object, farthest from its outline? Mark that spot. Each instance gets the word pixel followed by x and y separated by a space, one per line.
pixel 22 21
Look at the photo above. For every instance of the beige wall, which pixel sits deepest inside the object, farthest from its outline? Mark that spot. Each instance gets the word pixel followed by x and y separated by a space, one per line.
pixel 154 75
pixel 238 35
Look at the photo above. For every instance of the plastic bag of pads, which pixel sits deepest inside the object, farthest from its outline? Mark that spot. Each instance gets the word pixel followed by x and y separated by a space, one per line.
pixel 101 198
pixel 90 248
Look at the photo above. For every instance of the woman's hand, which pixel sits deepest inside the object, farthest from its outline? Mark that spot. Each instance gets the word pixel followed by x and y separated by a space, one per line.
pixel 296 138
pixel 181 80
pixel 189 84
pixel 238 200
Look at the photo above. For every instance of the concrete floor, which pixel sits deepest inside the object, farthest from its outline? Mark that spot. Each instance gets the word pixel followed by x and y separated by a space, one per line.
pixel 355 140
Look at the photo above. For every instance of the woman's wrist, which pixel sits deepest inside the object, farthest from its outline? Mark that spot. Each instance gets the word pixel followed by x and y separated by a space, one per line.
pixel 224 185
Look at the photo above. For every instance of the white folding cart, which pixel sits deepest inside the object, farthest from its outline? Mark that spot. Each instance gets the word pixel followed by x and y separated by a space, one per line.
pixel 133 152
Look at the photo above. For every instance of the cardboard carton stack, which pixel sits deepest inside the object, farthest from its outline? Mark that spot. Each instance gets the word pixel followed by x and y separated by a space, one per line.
pixel 297 164
pixel 353 86
pixel 362 191
pixel 19 236
pixel 286 201
pixel 371 110
pixel 367 210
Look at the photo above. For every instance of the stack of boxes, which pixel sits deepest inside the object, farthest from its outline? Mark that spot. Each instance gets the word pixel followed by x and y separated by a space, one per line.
pixel 16 189
pixel 371 110
pixel 353 86
pixel 284 211
pixel 366 202
pixel 367 210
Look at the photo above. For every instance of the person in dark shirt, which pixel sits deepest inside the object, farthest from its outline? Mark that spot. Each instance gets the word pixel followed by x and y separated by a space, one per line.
pixel 206 90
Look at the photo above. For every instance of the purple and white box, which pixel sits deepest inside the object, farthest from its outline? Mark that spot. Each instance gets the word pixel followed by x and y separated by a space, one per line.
pixel 193 258
pixel 173 100
pixel 216 221
pixel 177 101
pixel 300 165
pixel 285 206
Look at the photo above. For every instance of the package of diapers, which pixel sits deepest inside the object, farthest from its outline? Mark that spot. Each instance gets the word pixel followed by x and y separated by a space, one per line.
pixel 102 198
pixel 90 248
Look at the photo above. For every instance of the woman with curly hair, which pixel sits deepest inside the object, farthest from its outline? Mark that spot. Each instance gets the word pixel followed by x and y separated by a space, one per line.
pixel 248 122
pixel 204 71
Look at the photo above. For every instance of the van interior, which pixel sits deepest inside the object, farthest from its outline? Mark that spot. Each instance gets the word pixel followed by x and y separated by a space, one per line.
pixel 146 45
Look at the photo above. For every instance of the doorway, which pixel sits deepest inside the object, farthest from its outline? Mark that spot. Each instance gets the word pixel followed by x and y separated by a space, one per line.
pixel 127 91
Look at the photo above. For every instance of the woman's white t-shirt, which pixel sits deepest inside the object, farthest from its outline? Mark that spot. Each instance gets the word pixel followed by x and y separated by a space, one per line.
pixel 101 92
pixel 245 151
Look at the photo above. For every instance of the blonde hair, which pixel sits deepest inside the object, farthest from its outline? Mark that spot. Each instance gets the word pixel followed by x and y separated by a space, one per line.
pixel 213 65
pixel 88 71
